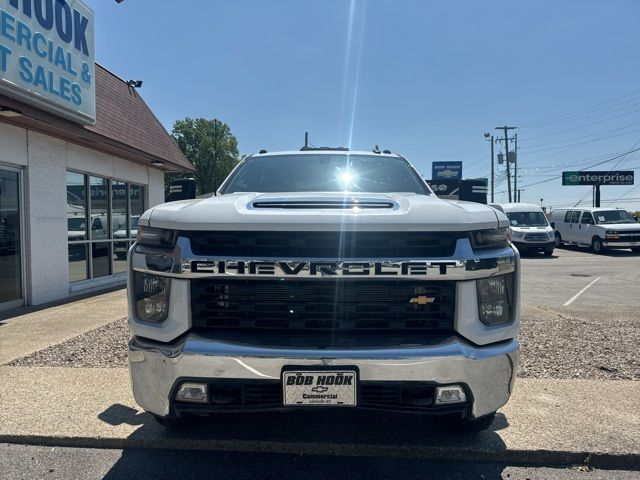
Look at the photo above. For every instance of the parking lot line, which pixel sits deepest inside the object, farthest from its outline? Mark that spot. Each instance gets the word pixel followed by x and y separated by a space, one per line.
pixel 571 300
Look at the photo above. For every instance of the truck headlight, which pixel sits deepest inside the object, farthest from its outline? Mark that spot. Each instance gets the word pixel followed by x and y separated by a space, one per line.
pixel 151 296
pixel 156 237
pixel 611 235
pixel 515 234
pixel 494 299
pixel 491 238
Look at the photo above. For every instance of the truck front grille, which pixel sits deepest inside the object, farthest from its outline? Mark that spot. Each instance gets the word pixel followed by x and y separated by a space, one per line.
pixel 536 237
pixel 323 307
pixel 286 245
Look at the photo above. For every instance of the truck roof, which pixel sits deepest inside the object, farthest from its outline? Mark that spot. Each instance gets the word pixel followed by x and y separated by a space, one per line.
pixel 325 152
pixel 517 207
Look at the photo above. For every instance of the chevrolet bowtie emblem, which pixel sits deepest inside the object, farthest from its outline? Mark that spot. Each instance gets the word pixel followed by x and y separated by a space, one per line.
pixel 422 300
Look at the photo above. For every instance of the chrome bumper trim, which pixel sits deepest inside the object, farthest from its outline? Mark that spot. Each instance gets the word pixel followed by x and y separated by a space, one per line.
pixel 621 244
pixel 464 264
pixel 488 371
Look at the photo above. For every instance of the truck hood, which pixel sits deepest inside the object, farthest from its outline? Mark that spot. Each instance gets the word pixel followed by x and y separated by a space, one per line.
pixel 620 227
pixel 323 212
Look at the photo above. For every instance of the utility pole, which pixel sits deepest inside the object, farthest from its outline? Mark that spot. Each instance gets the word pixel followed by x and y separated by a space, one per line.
pixel 515 168
pixel 489 137
pixel 506 148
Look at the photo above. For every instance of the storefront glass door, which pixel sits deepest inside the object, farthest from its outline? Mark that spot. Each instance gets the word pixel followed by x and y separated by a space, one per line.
pixel 11 293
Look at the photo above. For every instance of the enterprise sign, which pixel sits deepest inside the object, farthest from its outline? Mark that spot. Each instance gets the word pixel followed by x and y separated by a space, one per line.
pixel 614 177
pixel 47 56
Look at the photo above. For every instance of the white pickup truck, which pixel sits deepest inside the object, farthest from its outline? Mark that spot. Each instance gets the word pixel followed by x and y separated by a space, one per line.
pixel 323 278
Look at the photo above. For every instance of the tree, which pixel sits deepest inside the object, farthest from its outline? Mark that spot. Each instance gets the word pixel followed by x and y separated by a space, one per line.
pixel 210 147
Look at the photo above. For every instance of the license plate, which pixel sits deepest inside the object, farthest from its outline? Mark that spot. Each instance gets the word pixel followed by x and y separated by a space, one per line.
pixel 320 388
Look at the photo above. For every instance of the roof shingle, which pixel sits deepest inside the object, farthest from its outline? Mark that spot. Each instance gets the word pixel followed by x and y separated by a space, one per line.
pixel 125 126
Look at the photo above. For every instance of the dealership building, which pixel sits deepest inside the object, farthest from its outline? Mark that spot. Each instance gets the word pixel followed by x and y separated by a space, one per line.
pixel 81 157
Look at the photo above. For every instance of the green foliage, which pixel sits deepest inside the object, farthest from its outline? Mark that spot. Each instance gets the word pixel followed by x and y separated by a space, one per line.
pixel 210 147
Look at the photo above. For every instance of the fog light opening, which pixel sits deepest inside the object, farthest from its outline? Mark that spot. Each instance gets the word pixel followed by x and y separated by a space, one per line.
pixel 450 394
pixel 192 392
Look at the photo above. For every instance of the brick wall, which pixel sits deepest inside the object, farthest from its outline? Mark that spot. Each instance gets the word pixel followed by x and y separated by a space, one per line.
pixel 45 160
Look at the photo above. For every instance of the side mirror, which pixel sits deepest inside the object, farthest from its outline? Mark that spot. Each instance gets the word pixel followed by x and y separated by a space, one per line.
pixel 553 225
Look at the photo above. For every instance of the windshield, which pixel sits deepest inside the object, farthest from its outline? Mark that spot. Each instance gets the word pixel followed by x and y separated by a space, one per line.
pixel 527 219
pixel 613 216
pixel 76 223
pixel 325 173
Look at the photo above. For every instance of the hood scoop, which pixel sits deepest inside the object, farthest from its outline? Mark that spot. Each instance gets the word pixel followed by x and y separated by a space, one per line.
pixel 335 203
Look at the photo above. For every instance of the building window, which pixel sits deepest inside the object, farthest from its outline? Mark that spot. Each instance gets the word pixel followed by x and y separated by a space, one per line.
pixel 102 221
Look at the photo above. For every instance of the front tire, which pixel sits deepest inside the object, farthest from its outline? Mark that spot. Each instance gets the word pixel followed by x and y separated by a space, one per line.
pixel 548 252
pixel 476 425
pixel 635 250
pixel 559 243
pixel 597 246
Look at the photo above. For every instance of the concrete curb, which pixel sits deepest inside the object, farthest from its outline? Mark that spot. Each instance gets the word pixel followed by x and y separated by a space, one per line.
pixel 601 460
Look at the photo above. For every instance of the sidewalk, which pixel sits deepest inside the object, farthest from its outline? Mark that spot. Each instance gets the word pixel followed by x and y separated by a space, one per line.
pixel 29 332
pixel 550 421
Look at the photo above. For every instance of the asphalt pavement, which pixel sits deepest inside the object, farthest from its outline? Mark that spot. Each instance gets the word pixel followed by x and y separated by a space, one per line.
pixel 556 280
pixel 27 462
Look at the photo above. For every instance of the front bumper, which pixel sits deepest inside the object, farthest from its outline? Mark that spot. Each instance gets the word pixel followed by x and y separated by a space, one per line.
pixel 488 372
pixel 618 244
pixel 522 245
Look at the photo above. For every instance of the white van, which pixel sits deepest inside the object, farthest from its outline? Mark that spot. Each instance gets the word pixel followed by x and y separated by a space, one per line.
pixel 528 227
pixel 599 228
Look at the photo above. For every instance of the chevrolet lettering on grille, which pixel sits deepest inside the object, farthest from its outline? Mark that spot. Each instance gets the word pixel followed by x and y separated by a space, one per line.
pixel 286 268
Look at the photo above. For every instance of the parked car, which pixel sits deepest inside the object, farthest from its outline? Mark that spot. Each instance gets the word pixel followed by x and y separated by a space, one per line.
pixel 528 227
pixel 599 228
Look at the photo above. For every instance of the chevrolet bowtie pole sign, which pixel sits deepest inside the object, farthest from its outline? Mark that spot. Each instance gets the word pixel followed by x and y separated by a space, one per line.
pixel 446 171
pixel 600 178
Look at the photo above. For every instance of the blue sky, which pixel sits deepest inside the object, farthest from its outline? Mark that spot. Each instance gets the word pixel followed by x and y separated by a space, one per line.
pixel 423 78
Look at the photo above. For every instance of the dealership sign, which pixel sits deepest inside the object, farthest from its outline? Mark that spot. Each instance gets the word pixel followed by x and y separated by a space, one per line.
pixel 446 170
pixel 47 56
pixel 613 177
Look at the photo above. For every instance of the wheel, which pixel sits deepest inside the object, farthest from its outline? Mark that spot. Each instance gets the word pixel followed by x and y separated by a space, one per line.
pixel 635 249
pixel 174 423
pixel 476 425
pixel 548 252
pixel 596 245
pixel 559 243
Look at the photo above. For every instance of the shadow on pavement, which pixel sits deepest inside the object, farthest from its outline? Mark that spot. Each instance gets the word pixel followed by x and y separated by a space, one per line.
pixel 314 434
pixel 607 253
pixel 185 465
pixel 537 256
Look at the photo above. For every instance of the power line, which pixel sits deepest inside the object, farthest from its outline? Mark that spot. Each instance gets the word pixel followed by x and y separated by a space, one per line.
pixel 557 132
pixel 633 149
pixel 628 191
pixel 580 111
